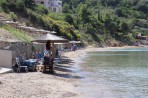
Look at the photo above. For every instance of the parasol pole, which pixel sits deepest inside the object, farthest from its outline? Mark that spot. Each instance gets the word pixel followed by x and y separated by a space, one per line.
pixel 52 50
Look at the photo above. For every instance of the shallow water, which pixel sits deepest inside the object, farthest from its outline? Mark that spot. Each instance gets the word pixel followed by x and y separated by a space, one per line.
pixel 115 73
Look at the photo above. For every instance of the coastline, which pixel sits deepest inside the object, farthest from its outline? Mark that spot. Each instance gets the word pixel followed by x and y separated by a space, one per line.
pixel 62 84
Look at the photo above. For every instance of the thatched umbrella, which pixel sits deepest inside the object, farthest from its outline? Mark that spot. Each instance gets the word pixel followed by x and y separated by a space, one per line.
pixel 50 39
pixel 75 42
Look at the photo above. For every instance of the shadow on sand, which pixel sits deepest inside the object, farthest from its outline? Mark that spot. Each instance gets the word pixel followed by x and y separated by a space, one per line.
pixel 67 76
pixel 65 71
pixel 66 61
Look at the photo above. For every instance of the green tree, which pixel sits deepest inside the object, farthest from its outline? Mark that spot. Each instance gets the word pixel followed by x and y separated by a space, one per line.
pixel 39 8
pixel 69 19
pixel 28 3
pixel 4 6
pixel 143 6
pixel 84 14
pixel 66 8
pixel 19 5
pixel 124 27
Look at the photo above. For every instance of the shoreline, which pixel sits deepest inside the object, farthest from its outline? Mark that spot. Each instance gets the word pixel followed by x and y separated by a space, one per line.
pixel 65 82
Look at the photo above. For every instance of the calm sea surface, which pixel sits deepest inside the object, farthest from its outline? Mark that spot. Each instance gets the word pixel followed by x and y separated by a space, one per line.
pixel 116 73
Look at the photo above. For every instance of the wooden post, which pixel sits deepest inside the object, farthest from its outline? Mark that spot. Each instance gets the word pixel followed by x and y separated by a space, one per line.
pixel 52 54
pixel 51 46
pixel 52 49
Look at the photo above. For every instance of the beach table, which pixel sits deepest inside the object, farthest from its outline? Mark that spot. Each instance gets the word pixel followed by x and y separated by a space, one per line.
pixel 31 64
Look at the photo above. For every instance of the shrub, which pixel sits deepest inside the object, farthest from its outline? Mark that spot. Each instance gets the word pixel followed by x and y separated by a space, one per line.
pixel 40 9
pixel 4 6
pixel 69 19
pixel 18 34
pixel 13 16
pixel 56 16
pixel 27 23
pixel 19 4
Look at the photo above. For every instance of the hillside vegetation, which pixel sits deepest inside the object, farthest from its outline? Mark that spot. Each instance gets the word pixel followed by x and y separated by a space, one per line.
pixel 92 21
pixel 20 35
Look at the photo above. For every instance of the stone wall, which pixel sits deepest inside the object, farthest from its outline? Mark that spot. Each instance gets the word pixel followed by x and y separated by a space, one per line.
pixel 22 49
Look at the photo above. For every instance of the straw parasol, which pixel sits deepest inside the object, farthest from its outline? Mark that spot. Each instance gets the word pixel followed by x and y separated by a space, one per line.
pixel 75 42
pixel 50 37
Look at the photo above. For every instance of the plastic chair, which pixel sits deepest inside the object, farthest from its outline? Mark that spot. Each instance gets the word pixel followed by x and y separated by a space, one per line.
pixel 19 66
pixel 48 65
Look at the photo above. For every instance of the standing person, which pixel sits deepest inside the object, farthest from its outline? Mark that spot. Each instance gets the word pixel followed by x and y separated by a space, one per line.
pixel 34 51
pixel 46 57
pixel 65 48
pixel 57 53
pixel 48 44
pixel 74 48
pixel 34 54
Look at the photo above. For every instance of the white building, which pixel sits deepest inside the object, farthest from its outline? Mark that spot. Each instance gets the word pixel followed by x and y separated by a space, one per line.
pixel 51 5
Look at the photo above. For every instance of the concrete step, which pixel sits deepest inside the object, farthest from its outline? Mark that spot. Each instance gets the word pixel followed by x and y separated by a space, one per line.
pixel 5 70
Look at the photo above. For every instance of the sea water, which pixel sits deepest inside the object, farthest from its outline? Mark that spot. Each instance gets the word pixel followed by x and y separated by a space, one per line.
pixel 115 73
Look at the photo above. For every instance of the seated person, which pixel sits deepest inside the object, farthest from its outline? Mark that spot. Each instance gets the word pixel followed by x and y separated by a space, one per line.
pixel 48 64
pixel 48 60
pixel 40 55
pixel 46 52
pixel 57 54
